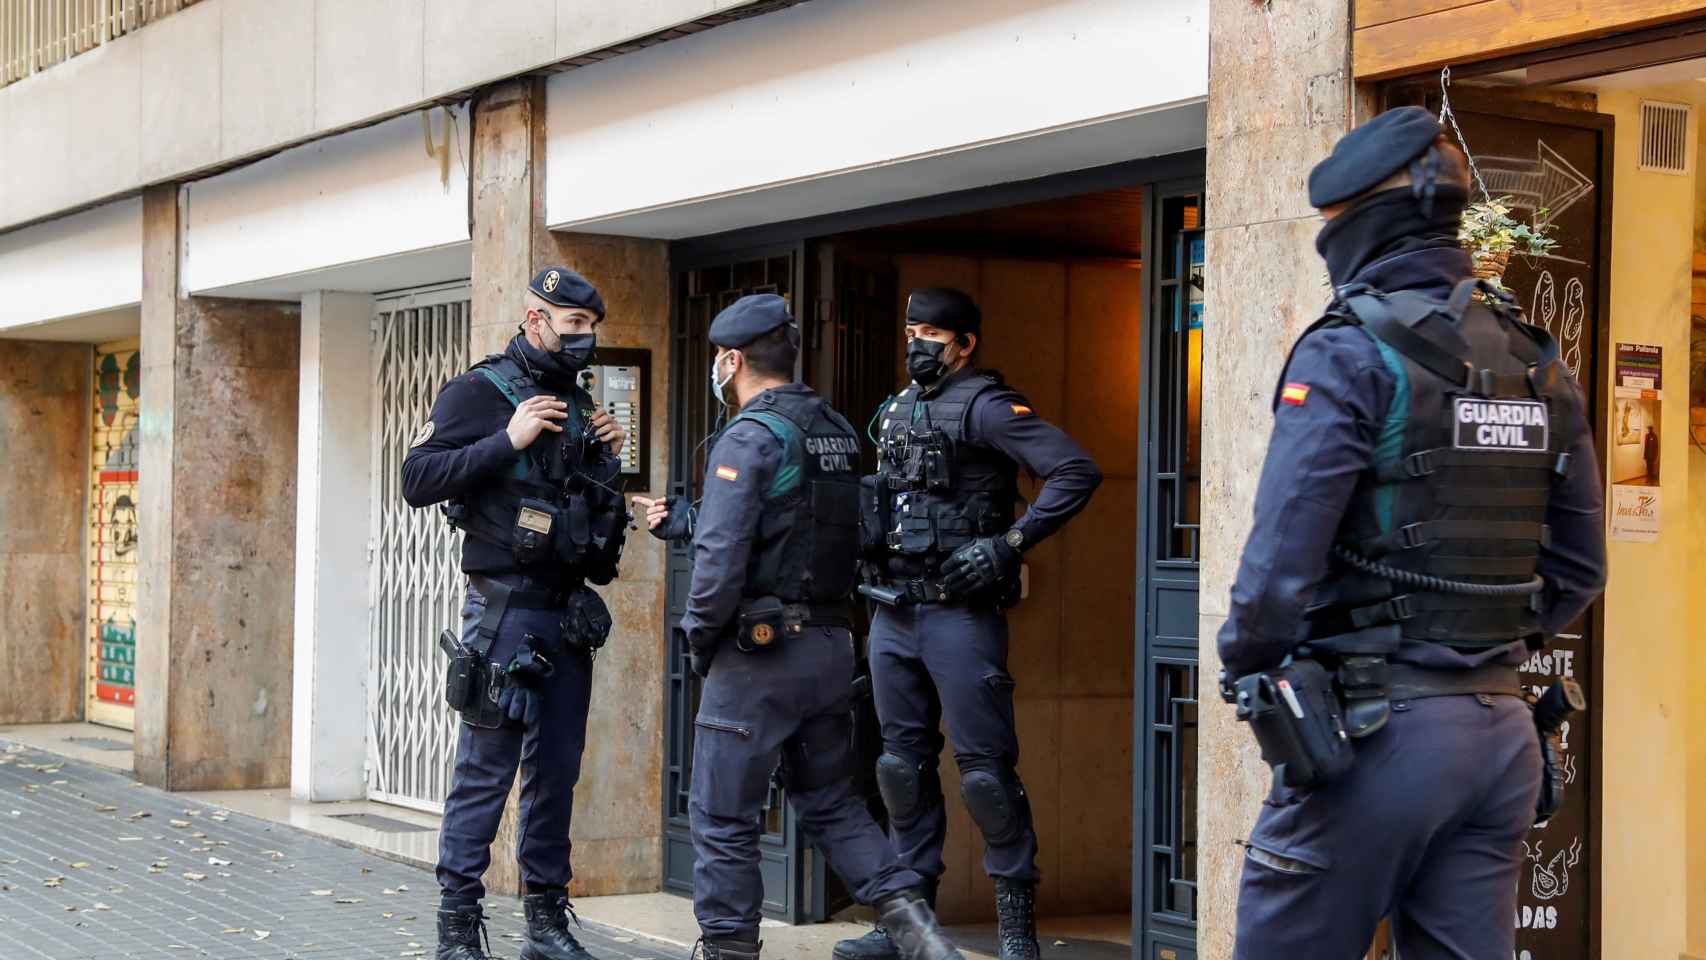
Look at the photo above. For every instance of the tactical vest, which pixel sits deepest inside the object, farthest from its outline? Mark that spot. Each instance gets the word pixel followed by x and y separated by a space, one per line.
pixel 808 533
pixel 558 504
pixel 1446 527
pixel 936 489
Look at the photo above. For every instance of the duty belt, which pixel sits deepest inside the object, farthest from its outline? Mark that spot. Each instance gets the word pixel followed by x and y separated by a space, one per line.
pixel 910 591
pixel 535 598
pixel 1408 682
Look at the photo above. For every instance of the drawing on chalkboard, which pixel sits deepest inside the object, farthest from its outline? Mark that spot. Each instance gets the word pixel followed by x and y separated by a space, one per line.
pixel 1544 314
pixel 1545 185
pixel 1568 769
pixel 1552 877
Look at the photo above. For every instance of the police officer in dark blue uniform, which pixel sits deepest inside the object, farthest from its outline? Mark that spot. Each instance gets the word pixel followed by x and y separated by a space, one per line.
pixel 525 464
pixel 942 542
pixel 1429 514
pixel 775 556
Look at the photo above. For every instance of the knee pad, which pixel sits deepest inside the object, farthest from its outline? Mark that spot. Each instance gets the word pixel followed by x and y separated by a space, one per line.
pixel 908 786
pixel 995 799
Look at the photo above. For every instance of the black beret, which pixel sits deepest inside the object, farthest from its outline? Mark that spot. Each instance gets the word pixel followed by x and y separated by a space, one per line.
pixel 562 287
pixel 749 318
pixel 945 308
pixel 1371 153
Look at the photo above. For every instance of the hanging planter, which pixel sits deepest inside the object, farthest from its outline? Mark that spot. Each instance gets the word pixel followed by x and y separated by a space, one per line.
pixel 1492 235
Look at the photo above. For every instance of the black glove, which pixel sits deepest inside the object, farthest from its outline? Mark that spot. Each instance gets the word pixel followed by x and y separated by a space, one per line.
pixel 981 565
pixel 679 524
pixel 699 660
pixel 526 673
pixel 520 703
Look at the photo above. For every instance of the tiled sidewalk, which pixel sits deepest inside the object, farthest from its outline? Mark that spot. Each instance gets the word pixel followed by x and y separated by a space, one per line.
pixel 94 865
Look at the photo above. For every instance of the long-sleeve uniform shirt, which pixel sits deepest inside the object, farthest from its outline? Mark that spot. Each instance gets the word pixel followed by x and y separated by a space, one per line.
pixel 1318 451
pixel 1004 420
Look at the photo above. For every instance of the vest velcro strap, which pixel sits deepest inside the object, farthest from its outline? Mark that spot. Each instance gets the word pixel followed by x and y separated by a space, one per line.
pixel 1504 384
pixel 1481 566
pixel 1391 610
pixel 1425 462
pixel 1418 534
pixel 1535 496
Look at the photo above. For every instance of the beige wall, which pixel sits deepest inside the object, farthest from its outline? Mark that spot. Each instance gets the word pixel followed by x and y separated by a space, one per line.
pixel 1279 96
pixel 1648 694
pixel 45 403
pixel 1065 334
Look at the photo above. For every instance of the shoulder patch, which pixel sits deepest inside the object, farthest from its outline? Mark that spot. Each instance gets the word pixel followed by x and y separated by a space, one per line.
pixel 728 473
pixel 1019 409
pixel 1295 394
pixel 423 434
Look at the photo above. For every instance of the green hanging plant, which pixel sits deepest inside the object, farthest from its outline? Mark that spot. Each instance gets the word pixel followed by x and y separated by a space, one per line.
pixel 1492 236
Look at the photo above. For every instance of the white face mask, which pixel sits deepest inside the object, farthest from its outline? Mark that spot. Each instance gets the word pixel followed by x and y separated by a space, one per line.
pixel 720 384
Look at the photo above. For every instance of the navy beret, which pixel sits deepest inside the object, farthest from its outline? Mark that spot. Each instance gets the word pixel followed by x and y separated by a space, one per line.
pixel 749 318
pixel 1370 154
pixel 562 287
pixel 945 308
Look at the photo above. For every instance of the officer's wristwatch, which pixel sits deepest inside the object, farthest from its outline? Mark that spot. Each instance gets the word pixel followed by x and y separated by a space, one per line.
pixel 1015 538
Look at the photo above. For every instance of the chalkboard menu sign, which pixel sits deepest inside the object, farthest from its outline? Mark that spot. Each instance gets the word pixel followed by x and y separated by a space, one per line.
pixel 1550 163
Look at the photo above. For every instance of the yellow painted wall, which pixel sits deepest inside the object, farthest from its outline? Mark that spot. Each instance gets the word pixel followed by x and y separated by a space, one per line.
pixel 1697 620
pixel 1650 697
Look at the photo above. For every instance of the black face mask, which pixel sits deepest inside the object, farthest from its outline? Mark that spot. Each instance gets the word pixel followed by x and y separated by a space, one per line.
pixel 924 361
pixel 560 366
pixel 1386 223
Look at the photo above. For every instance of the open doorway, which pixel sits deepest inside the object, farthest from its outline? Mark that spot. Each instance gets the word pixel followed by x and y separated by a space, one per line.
pixel 1062 289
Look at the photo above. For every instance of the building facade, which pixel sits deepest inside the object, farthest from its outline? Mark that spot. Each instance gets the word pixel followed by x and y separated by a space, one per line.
pixel 226 305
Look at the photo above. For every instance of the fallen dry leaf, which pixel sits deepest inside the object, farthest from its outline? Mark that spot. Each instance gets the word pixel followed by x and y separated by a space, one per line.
pixel 262 935
pixel 321 893
pixel 216 862
pixel 197 877
pixel 105 808
pixel 347 900
pixel 79 864
pixel 232 930
pixel 180 824
pixel 53 882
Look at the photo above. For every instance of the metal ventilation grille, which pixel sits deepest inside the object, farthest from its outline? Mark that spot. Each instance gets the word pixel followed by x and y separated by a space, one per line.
pixel 1664 136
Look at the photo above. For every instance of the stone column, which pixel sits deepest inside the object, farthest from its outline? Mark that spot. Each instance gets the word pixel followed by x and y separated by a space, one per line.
pixel 617 831
pixel 328 752
pixel 44 437
pixel 217 527
pixel 1279 95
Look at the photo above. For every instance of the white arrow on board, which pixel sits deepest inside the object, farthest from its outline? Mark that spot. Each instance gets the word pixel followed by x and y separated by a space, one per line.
pixel 1547 182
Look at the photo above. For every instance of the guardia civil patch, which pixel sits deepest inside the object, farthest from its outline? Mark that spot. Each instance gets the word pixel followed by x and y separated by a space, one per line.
pixel 728 473
pixel 422 435
pixel 1504 425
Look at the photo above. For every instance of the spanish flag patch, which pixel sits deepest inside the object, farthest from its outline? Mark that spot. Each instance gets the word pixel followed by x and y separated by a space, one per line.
pixel 1020 410
pixel 1295 394
pixel 728 473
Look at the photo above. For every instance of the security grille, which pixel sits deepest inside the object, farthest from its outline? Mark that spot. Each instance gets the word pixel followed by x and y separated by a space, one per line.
pixel 1664 136
pixel 420 341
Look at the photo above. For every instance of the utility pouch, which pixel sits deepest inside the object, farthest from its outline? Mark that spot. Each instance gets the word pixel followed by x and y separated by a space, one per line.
pixel 472 684
pixel 760 626
pixel 873 516
pixel 535 522
pixel 586 622
pixel 1296 718
pixel 576 532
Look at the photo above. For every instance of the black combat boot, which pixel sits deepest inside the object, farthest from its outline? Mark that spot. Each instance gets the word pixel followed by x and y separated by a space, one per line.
pixel 461 928
pixel 548 936
pixel 912 927
pixel 727 948
pixel 877 945
pixel 1016 908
